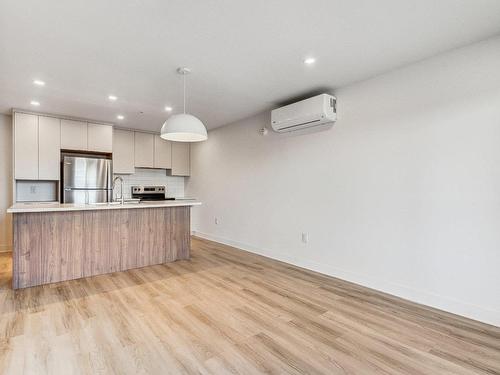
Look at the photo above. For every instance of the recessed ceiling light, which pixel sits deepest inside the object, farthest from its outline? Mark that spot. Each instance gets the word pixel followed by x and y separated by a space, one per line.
pixel 309 61
pixel 112 98
pixel 120 117
pixel 35 103
pixel 168 109
pixel 38 82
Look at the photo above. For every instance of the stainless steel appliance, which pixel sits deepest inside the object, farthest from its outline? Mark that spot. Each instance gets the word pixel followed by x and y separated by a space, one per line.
pixel 150 193
pixel 87 180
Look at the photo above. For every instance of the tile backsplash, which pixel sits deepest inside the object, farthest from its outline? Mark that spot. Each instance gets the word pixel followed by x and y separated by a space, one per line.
pixel 143 176
pixel 36 191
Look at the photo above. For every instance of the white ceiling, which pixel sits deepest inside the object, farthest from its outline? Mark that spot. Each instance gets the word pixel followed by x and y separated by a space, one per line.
pixel 246 56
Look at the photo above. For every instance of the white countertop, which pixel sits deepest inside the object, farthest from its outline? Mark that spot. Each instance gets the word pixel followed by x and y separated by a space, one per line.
pixel 55 206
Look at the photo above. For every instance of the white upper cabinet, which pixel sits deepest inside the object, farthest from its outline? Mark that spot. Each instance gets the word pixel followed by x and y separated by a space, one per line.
pixel 49 148
pixel 180 159
pixel 144 150
pixel 25 146
pixel 162 153
pixel 82 136
pixel 36 147
pixel 100 138
pixel 38 141
pixel 123 151
pixel 151 151
pixel 73 135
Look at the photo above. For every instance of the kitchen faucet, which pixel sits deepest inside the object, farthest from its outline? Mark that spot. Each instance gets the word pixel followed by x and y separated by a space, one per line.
pixel 122 199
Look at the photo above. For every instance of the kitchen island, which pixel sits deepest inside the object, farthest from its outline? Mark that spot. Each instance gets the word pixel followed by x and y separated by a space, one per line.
pixel 57 242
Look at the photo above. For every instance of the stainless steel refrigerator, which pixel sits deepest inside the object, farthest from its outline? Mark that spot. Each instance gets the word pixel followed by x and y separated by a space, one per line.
pixel 87 180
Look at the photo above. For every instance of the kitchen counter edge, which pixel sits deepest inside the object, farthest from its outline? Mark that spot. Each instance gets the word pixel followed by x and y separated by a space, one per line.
pixel 56 207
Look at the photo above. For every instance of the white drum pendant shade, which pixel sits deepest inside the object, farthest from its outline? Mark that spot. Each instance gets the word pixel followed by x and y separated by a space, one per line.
pixel 183 128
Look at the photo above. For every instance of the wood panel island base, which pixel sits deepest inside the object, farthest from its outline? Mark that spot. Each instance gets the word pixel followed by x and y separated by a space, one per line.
pixel 65 244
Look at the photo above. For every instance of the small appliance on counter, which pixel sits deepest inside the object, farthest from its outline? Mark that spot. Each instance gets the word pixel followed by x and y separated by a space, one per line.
pixel 150 193
pixel 86 180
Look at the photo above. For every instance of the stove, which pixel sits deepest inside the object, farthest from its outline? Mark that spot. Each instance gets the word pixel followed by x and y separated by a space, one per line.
pixel 150 193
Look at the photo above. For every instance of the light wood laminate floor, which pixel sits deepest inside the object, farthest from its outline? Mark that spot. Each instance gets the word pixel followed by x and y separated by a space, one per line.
pixel 229 311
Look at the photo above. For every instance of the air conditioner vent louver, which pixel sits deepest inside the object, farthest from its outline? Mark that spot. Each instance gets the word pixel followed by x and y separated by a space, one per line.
pixel 314 111
pixel 305 123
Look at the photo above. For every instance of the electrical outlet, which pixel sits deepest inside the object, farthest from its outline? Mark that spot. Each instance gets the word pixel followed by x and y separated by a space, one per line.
pixel 305 237
pixel 216 220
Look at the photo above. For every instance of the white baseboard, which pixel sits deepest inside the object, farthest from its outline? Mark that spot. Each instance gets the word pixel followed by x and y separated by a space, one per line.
pixel 419 296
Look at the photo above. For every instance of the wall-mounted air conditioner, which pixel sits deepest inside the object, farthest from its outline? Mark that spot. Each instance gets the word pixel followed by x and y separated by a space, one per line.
pixel 318 110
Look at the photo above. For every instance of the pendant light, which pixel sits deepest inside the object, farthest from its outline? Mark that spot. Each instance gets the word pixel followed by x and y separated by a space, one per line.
pixel 184 127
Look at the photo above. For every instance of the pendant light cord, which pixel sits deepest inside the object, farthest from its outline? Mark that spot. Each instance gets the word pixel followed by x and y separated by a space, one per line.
pixel 184 79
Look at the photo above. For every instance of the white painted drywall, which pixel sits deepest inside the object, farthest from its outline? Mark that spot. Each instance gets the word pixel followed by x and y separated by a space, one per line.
pixel 5 182
pixel 401 195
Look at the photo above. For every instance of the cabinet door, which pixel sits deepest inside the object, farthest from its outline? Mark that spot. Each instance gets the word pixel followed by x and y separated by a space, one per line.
pixel 144 150
pixel 100 137
pixel 180 159
pixel 163 153
pixel 123 151
pixel 73 135
pixel 49 148
pixel 25 146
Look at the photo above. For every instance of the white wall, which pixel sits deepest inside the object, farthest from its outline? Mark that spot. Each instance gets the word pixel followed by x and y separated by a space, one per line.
pixel 401 195
pixel 5 182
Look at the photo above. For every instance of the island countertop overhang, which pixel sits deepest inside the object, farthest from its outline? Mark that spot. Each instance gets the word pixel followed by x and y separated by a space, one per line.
pixel 57 207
